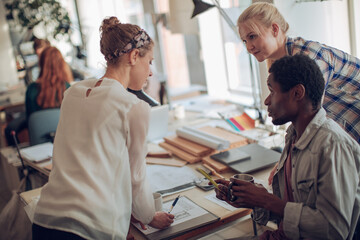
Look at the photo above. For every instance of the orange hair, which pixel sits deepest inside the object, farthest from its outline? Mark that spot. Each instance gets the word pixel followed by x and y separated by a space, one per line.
pixel 54 74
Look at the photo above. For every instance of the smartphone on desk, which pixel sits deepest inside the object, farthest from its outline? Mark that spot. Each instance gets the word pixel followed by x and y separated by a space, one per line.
pixel 231 156
pixel 204 184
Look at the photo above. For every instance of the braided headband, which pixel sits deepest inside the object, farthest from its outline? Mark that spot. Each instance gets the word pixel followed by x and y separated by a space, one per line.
pixel 141 39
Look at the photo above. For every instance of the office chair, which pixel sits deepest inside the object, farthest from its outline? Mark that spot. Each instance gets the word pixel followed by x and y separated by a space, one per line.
pixel 145 97
pixel 42 125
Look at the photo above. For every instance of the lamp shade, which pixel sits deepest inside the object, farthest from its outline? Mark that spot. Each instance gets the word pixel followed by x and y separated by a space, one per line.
pixel 200 7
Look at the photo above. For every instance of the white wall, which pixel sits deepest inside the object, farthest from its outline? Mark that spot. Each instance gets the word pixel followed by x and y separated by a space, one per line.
pixel 8 71
pixel 354 7
pixel 326 21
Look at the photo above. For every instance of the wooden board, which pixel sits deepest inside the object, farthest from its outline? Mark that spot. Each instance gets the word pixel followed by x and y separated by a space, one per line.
pixel 180 153
pixel 188 146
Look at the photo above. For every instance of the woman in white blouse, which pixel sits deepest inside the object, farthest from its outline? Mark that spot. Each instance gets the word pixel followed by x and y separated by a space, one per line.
pixel 98 178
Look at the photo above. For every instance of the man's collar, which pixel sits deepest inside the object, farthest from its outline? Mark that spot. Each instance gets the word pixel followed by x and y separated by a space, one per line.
pixel 309 132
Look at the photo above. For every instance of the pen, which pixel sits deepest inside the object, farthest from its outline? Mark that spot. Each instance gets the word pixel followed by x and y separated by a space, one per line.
pixel 174 203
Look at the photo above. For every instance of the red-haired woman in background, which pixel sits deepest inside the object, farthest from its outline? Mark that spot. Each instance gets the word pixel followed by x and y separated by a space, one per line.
pixel 54 79
pixel 46 92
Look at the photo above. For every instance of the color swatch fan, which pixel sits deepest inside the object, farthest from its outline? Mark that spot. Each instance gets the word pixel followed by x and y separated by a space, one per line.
pixel 239 122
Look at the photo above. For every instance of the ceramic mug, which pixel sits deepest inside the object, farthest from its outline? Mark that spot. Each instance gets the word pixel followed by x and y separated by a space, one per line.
pixel 158 201
pixel 242 177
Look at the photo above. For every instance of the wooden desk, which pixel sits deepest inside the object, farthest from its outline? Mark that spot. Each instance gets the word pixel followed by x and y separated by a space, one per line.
pixel 198 196
pixel 27 197
pixel 11 168
pixel 40 167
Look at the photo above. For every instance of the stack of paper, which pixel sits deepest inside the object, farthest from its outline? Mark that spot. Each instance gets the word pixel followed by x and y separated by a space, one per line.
pixel 38 153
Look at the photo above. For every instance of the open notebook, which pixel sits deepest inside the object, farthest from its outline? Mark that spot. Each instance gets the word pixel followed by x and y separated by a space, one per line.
pixel 188 216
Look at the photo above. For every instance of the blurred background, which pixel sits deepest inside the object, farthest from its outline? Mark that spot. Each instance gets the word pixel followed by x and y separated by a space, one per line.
pixel 193 55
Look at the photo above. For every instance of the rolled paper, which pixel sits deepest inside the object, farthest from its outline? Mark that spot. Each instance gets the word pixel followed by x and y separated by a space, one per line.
pixel 203 138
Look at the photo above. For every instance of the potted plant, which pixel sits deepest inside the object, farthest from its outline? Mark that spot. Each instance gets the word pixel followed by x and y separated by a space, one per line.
pixel 25 15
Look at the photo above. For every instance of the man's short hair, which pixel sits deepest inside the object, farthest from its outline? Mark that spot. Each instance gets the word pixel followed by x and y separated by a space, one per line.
pixel 290 71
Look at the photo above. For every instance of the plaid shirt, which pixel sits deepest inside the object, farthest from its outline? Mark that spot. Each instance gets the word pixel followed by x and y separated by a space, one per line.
pixel 342 81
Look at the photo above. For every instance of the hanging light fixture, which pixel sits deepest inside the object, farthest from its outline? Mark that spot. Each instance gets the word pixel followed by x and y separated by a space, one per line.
pixel 200 7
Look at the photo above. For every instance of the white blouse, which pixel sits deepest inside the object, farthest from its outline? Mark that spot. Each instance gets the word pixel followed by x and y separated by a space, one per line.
pixel 99 170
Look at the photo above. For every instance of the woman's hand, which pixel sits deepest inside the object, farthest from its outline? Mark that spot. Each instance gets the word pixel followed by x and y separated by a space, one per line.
pixel 134 220
pixel 162 220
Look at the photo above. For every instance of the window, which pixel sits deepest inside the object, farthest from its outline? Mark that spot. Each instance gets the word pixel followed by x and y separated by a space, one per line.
pixel 213 56
pixel 231 72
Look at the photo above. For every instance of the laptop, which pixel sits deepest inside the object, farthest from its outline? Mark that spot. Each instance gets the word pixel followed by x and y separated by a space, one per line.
pixel 158 124
pixel 260 157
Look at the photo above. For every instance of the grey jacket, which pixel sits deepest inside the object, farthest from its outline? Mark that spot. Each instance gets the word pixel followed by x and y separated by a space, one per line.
pixel 325 183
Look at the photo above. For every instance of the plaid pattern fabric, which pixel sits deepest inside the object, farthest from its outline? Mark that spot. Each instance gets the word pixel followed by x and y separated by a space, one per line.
pixel 342 81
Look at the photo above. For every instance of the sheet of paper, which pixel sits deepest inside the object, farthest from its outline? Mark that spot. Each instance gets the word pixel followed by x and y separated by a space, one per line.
pixel 184 210
pixel 212 198
pixel 38 152
pixel 165 177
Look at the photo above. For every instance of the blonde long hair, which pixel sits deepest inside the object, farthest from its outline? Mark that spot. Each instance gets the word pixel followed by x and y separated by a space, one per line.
pixel 54 74
pixel 265 13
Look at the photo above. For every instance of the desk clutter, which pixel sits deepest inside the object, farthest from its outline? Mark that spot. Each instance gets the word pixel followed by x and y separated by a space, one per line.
pixel 204 144
pixel 187 147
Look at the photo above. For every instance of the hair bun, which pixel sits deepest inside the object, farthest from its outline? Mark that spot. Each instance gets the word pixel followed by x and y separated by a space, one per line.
pixel 108 23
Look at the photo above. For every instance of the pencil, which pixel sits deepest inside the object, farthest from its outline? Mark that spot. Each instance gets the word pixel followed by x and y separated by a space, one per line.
pixel 213 171
pixel 208 177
